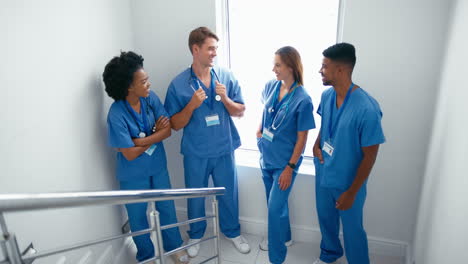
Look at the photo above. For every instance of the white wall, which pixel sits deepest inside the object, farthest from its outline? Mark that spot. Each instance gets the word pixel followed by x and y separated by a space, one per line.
pixel 441 227
pixel 161 30
pixel 400 46
pixel 53 112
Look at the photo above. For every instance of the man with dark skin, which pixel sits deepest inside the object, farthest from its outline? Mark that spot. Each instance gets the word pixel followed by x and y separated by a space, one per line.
pixel 344 154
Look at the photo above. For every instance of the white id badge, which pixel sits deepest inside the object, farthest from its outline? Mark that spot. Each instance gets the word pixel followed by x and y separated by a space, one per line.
pixel 328 148
pixel 267 135
pixel 212 120
pixel 151 149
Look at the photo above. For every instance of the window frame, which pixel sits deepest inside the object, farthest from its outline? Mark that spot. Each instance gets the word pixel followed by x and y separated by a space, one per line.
pixel 224 51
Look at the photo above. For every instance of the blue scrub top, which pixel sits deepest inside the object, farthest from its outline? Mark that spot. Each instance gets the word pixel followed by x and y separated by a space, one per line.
pixel 359 126
pixel 299 117
pixel 122 127
pixel 199 139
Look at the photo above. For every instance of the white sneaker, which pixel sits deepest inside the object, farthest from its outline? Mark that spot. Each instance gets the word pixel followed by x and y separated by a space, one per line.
pixel 241 244
pixel 264 244
pixel 180 257
pixel 318 261
pixel 193 250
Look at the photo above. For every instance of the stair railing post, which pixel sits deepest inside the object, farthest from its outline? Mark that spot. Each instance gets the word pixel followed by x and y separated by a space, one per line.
pixel 12 250
pixel 156 233
pixel 4 237
pixel 216 229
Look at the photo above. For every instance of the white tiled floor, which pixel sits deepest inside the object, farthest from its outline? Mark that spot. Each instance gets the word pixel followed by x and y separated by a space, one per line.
pixel 298 253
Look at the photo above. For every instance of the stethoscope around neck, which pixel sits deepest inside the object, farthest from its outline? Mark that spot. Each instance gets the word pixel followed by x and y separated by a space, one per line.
pixel 283 108
pixel 194 78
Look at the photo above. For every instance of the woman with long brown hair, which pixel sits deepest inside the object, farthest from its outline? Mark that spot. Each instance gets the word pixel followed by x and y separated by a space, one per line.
pixel 282 136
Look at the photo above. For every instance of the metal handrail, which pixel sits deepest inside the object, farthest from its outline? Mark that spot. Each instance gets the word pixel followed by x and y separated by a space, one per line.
pixel 22 202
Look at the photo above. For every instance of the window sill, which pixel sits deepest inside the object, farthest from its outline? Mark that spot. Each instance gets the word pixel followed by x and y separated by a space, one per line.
pixel 250 159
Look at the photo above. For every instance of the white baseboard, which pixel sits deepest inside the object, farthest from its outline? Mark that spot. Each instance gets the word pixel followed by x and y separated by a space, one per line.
pixel 309 234
pixel 377 245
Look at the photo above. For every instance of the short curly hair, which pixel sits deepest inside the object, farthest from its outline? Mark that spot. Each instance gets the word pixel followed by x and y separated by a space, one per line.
pixel 118 74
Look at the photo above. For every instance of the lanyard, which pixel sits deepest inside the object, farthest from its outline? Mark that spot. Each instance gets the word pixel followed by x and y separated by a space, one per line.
pixel 276 94
pixel 133 114
pixel 332 125
pixel 280 105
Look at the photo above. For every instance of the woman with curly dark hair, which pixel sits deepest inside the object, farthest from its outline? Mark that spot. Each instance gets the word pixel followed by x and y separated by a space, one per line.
pixel 137 125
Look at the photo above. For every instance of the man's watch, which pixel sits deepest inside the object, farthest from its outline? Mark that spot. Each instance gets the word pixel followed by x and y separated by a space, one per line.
pixel 292 165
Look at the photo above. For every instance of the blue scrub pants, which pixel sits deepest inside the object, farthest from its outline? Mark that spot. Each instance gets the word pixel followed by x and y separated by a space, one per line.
pixel 355 238
pixel 223 172
pixel 279 228
pixel 138 219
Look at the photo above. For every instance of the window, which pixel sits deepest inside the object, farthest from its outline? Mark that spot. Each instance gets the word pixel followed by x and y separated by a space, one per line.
pixel 254 30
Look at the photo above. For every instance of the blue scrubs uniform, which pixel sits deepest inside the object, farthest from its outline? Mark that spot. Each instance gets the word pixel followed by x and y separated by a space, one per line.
pixel 144 172
pixel 208 144
pixel 292 114
pixel 357 124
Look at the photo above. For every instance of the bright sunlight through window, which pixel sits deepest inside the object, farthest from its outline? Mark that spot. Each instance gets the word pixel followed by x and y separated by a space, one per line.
pixel 256 29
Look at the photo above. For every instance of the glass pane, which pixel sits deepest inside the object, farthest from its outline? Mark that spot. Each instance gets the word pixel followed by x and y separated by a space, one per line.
pixel 257 29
